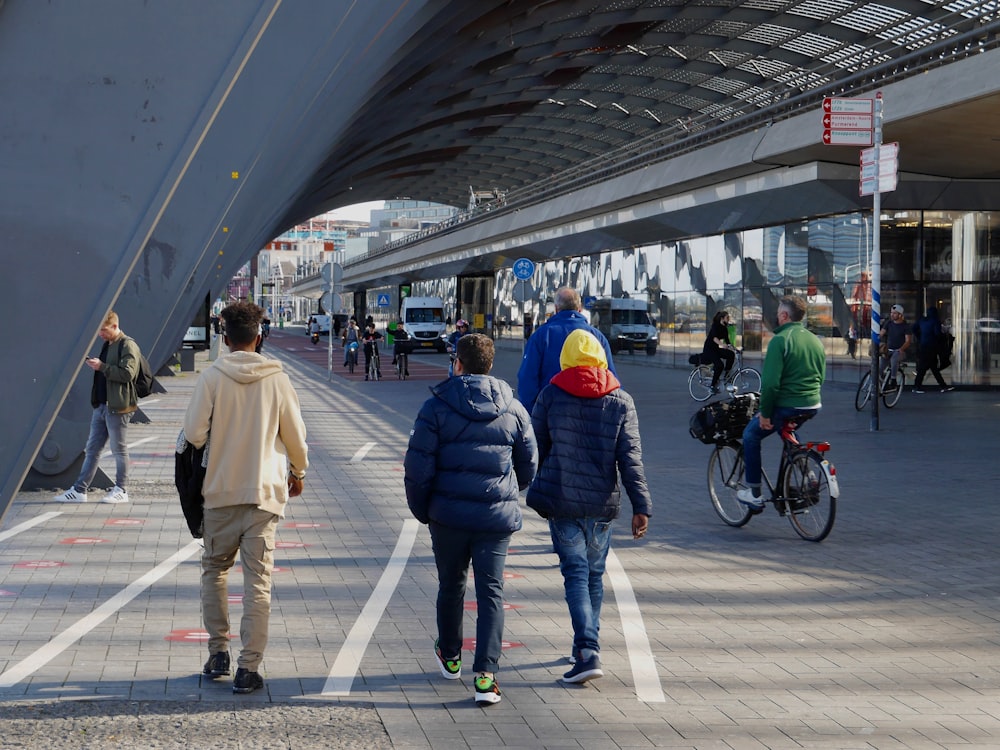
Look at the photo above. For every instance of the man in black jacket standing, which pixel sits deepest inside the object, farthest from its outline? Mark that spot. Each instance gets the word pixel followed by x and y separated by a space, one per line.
pixel 471 451
pixel 587 432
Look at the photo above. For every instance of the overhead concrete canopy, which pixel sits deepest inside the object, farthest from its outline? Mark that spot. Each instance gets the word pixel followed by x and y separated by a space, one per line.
pixel 149 150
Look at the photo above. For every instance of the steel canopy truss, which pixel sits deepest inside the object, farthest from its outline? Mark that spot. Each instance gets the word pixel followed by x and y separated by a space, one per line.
pixel 506 95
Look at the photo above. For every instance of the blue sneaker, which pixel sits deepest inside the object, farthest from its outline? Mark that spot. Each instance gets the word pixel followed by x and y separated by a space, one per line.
pixel 584 670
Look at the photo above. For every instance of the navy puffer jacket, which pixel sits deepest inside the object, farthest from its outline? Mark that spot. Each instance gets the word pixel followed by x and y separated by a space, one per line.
pixel 587 432
pixel 471 451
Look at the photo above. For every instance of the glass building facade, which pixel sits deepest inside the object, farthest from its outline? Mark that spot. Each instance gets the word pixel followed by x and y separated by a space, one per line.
pixel 946 259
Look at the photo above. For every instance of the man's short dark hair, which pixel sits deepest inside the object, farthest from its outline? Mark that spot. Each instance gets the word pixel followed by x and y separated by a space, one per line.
pixel 794 306
pixel 475 352
pixel 242 321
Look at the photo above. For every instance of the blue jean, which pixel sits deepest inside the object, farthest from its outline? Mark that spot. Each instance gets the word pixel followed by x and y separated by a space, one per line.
pixel 105 426
pixel 753 434
pixel 453 550
pixel 582 545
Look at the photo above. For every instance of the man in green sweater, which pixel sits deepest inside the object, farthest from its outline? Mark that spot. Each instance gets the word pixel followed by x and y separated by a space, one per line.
pixel 794 370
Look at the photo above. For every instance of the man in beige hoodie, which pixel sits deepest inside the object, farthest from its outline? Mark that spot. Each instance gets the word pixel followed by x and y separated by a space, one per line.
pixel 257 458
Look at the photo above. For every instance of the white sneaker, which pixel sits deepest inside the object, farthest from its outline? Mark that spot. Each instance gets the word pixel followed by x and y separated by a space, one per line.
pixel 71 496
pixel 746 497
pixel 115 496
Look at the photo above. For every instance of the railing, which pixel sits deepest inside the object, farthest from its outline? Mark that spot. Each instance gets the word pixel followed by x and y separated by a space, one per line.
pixel 971 35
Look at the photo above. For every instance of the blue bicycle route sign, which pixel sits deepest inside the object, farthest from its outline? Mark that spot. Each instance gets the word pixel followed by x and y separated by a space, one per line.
pixel 524 269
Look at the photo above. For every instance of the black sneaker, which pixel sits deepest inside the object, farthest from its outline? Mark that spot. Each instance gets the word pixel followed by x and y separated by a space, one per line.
pixel 218 665
pixel 584 670
pixel 247 681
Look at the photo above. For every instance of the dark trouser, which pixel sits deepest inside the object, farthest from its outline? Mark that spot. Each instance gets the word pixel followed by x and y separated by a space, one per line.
pixel 453 550
pixel 721 359
pixel 927 359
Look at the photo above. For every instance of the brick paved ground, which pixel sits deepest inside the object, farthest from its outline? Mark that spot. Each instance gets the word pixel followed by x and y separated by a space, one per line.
pixel 883 636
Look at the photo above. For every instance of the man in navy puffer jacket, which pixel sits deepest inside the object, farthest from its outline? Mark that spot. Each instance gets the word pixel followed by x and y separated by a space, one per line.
pixel 471 451
pixel 588 433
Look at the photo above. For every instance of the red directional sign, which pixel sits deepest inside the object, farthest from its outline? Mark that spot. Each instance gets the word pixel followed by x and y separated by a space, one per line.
pixel 848 122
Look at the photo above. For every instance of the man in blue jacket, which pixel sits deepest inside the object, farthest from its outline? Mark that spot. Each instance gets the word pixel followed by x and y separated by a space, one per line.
pixel 471 452
pixel 588 433
pixel 541 353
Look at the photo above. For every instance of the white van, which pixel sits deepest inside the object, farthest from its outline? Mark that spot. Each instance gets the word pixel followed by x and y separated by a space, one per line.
pixel 423 318
pixel 625 323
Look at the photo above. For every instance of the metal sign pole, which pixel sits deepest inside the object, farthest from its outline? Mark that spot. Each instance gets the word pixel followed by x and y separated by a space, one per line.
pixel 876 267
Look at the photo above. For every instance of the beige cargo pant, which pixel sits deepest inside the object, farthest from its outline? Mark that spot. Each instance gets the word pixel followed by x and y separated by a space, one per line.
pixel 249 531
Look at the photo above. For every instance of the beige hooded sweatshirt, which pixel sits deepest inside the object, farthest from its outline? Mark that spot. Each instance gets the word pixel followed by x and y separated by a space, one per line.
pixel 247 403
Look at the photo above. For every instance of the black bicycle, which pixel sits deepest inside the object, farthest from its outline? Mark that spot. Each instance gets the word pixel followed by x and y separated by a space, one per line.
pixel 402 366
pixel 806 491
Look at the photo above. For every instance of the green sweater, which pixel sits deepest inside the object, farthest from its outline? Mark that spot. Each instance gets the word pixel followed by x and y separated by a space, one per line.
pixel 794 370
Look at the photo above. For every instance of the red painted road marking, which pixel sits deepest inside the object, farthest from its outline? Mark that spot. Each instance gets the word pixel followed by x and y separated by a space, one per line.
pixel 290 545
pixel 294 525
pixel 469 644
pixel 124 522
pixel 189 636
pixel 472 607
pixel 83 540
pixel 39 564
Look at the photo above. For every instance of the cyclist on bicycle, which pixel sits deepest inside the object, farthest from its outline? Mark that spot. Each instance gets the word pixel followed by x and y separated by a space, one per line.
pixel 794 371
pixel 897 338
pixel 400 335
pixel 718 349
pixel 370 340
pixel 351 336
pixel 461 328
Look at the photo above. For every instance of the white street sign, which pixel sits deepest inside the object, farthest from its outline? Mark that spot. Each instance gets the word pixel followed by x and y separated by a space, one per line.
pixel 885 151
pixel 832 137
pixel 885 166
pixel 886 184
pixel 848 105
pixel 847 122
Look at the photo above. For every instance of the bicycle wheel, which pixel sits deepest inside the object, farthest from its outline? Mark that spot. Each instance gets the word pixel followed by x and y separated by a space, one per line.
pixel 700 383
pixel 811 507
pixel 747 380
pixel 401 366
pixel 352 359
pixel 725 477
pixel 891 398
pixel 864 394
pixel 373 368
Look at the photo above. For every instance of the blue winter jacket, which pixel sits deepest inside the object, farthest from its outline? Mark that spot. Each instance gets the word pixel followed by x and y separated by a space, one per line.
pixel 541 354
pixel 471 451
pixel 587 432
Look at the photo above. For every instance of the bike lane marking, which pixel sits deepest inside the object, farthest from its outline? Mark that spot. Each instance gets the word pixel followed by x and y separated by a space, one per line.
pixel 84 625
pixel 640 655
pixel 361 453
pixel 345 667
pixel 4 535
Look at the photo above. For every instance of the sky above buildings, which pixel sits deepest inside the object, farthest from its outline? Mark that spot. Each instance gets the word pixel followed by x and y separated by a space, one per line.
pixel 357 212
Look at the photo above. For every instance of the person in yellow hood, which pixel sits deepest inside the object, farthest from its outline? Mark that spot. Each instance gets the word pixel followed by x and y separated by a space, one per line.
pixel 588 433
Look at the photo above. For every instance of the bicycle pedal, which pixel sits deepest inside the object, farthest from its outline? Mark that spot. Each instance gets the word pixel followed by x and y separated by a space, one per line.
pixel 756 511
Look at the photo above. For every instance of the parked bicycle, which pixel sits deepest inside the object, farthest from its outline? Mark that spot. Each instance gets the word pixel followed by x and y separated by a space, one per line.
pixel 806 489
pixel 890 395
pixel 739 380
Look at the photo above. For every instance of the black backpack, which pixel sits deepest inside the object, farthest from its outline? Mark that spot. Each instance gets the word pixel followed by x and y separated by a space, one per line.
pixel 144 378
pixel 723 421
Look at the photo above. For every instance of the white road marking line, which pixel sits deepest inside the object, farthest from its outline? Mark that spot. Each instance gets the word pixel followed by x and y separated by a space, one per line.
pixel 130 446
pixel 349 658
pixel 28 524
pixel 640 655
pixel 362 452
pixel 84 625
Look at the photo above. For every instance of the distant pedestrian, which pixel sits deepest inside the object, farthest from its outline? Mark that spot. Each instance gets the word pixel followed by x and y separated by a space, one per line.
pixel 113 398
pixel 852 341
pixel 541 353
pixel 588 436
pixel 471 451
pixel 256 461
pixel 928 333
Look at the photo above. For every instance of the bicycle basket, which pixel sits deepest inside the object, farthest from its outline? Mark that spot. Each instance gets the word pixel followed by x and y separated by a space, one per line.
pixel 723 420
